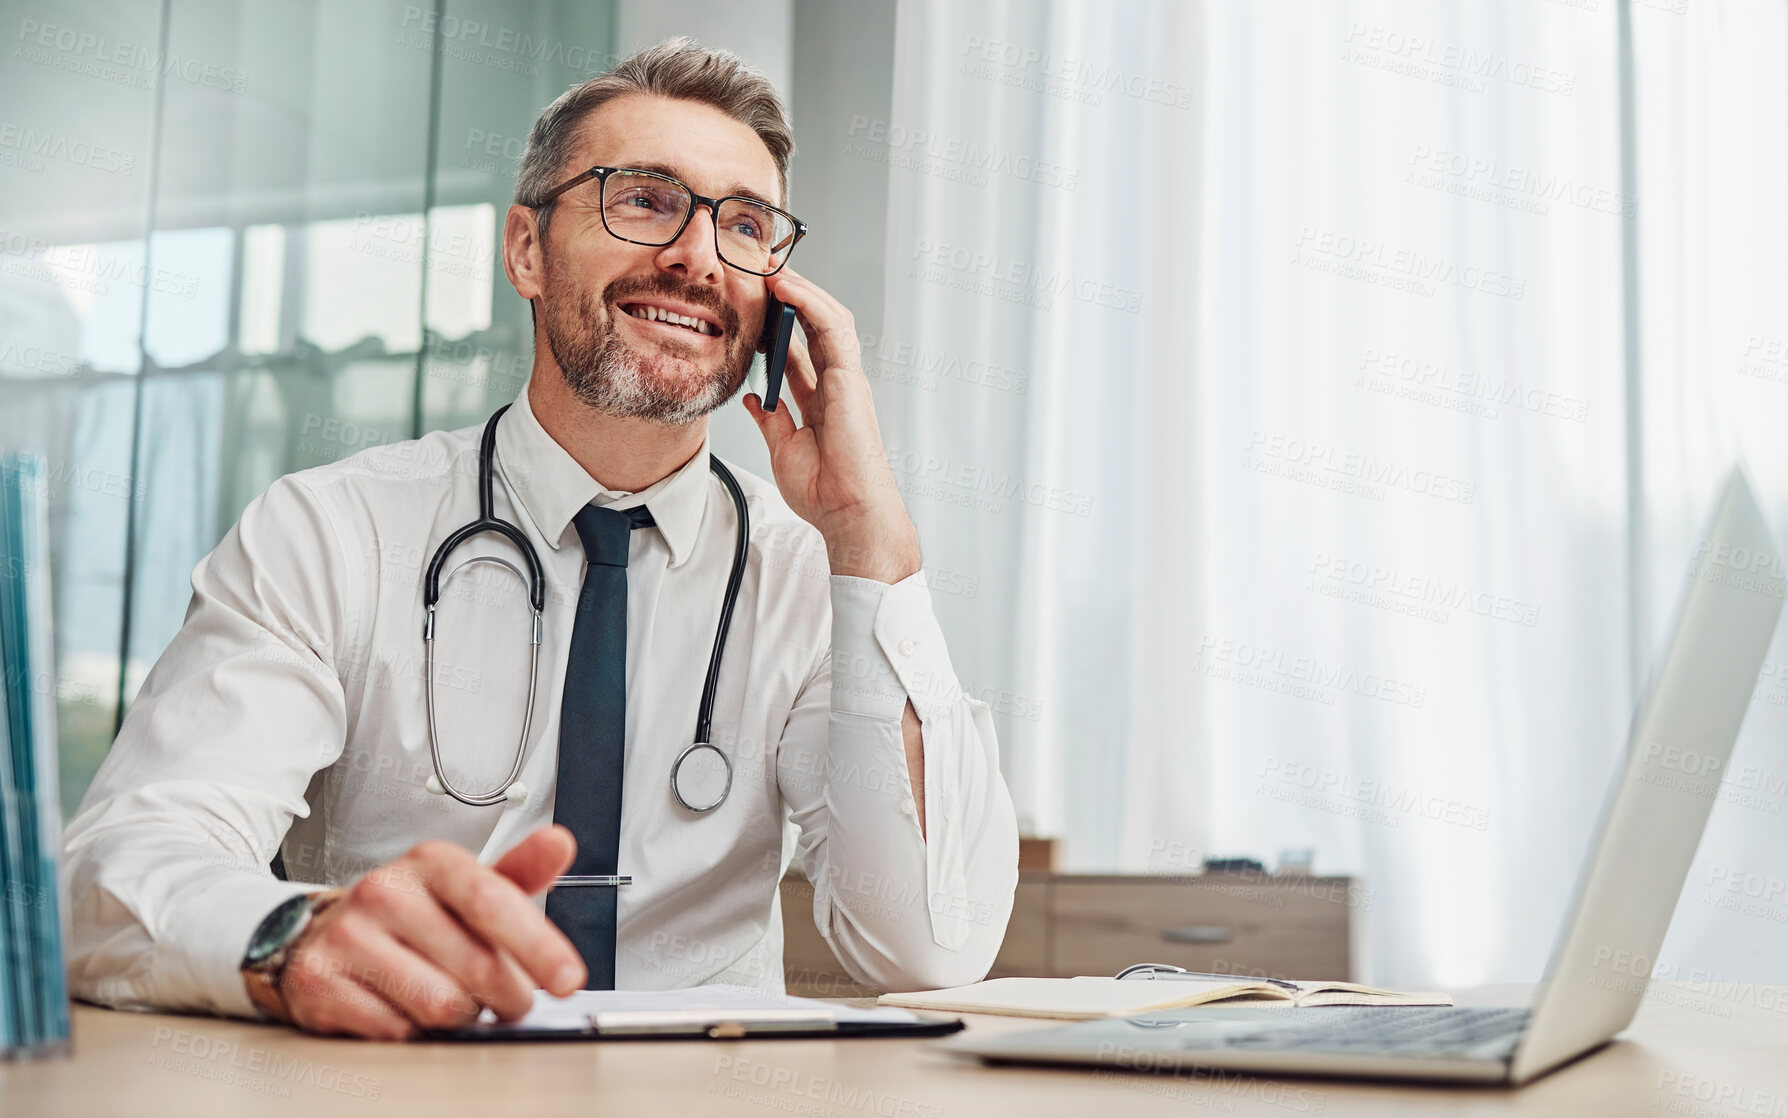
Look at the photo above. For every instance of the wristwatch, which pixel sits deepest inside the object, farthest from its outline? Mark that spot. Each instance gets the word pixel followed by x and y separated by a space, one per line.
pixel 269 949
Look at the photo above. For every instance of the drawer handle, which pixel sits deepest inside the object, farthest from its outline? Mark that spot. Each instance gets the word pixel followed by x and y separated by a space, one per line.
pixel 1197 933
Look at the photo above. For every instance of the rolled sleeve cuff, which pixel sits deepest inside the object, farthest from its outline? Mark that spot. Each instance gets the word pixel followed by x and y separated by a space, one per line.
pixel 214 936
pixel 887 648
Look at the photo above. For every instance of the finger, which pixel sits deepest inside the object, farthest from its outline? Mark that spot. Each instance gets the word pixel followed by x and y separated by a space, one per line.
pixel 828 331
pixel 323 999
pixel 521 977
pixel 802 381
pixel 422 991
pixel 535 861
pixel 775 426
pixel 809 293
pixel 424 926
pixel 494 908
pixel 825 321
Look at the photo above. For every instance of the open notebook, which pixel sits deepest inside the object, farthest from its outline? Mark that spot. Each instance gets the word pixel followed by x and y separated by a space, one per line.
pixel 1087 999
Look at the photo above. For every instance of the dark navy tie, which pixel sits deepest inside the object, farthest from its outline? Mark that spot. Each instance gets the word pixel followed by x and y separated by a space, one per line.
pixel 593 738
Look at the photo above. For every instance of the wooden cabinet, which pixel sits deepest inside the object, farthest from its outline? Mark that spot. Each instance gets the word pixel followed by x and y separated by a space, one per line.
pixel 1068 924
pixel 1236 924
pixel 1027 943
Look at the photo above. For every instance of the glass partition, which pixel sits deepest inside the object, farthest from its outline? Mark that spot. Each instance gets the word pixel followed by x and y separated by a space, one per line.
pixel 238 240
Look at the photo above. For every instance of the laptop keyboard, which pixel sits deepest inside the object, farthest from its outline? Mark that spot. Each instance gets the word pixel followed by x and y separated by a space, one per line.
pixel 1399 1030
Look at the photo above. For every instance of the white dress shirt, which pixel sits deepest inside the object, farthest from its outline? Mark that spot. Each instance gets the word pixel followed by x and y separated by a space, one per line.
pixel 291 707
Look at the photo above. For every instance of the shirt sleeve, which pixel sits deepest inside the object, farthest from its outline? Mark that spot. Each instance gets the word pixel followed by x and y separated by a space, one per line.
pixel 902 909
pixel 166 862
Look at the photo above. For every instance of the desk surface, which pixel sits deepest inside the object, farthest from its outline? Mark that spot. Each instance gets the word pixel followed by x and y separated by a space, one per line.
pixel 1692 1051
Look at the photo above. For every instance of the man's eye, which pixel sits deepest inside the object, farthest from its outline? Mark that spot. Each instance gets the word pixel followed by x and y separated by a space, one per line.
pixel 748 228
pixel 645 200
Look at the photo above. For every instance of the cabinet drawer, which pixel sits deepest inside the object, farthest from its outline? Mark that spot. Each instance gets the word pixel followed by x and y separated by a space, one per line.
pixel 1286 927
pixel 1025 951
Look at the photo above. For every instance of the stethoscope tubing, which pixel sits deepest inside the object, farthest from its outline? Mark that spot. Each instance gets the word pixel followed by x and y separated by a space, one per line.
pixel 488 521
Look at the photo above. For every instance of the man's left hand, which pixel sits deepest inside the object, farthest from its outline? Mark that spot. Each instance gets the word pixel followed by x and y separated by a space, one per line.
pixel 832 469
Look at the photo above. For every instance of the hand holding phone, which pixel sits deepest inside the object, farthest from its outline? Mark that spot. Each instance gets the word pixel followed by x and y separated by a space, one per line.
pixel 779 332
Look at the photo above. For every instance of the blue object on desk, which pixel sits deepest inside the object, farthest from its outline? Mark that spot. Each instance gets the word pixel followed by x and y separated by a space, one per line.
pixel 34 1016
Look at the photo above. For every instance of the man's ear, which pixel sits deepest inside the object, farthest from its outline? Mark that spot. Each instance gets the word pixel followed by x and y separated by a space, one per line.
pixel 523 255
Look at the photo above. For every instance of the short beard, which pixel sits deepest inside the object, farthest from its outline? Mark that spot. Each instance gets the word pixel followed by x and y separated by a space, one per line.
pixel 608 375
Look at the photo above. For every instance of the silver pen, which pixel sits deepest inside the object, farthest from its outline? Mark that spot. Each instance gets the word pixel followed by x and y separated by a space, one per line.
pixel 592 879
pixel 1172 973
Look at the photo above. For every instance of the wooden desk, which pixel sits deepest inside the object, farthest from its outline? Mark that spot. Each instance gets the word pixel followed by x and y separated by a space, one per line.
pixel 140 1064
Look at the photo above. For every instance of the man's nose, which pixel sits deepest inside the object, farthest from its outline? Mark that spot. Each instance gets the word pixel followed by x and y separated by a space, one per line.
pixel 693 251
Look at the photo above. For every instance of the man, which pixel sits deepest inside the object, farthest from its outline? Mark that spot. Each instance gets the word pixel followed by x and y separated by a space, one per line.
pixel 291 714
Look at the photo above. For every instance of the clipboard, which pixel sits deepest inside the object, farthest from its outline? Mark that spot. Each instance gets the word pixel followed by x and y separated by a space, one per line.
pixel 732 1028
pixel 699 1013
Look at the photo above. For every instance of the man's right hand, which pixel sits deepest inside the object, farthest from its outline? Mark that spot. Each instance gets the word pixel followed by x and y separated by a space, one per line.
pixel 431 939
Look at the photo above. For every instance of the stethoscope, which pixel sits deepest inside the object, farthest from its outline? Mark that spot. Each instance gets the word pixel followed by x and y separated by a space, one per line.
pixel 702 775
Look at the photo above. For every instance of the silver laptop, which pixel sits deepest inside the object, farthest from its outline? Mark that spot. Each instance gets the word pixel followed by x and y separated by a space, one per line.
pixel 1681 739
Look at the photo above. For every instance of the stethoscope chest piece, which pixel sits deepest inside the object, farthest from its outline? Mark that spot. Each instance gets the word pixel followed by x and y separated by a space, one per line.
pixel 701 778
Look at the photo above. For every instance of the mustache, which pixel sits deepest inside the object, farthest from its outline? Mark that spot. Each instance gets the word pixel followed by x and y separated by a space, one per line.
pixel 628 287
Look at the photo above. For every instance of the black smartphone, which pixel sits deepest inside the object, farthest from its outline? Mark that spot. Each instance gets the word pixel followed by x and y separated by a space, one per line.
pixel 779 332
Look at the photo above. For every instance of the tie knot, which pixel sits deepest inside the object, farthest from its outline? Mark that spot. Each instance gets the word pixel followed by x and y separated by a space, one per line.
pixel 605 532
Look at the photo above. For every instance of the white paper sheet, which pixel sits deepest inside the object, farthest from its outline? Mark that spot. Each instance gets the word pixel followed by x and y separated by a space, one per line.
pixel 694 1002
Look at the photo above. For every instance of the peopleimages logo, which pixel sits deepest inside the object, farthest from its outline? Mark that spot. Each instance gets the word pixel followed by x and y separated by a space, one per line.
pixel 503 48
pixel 1464 389
pixel 1380 47
pixel 918 364
pixel 254 1068
pixel 1740 559
pixel 1459 173
pixel 1396 800
pixel 1400 268
pixel 1043 71
pixel 1443 594
pixel 1365 470
pixel 34 147
pixel 84 52
pixel 1277 670
pixel 1759 572
pixel 983 160
pixel 944 479
pixel 1034 279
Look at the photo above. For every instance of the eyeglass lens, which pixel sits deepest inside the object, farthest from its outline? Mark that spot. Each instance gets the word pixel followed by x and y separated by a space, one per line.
pixel 649 209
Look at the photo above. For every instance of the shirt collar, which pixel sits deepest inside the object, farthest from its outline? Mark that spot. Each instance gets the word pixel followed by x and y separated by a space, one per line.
pixel 552 488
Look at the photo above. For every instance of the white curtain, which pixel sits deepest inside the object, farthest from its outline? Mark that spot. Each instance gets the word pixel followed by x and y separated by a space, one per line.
pixel 1711 100
pixel 1257 374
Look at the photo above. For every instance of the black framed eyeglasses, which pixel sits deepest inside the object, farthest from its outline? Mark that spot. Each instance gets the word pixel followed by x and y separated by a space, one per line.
pixel 647 208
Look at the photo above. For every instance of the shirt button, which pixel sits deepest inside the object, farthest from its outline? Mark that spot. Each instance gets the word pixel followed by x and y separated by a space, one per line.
pixel 907 647
pixel 907 808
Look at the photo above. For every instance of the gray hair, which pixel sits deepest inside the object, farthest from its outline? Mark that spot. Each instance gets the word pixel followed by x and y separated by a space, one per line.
pixel 674 68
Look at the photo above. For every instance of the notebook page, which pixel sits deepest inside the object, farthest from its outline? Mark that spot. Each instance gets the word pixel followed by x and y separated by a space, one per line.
pixel 1349 993
pixel 1074 999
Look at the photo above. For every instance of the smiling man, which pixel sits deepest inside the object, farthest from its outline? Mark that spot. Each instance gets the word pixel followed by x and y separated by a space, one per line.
pixel 289 716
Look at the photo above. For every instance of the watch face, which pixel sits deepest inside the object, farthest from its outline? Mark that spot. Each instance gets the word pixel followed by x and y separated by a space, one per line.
pixel 277 929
